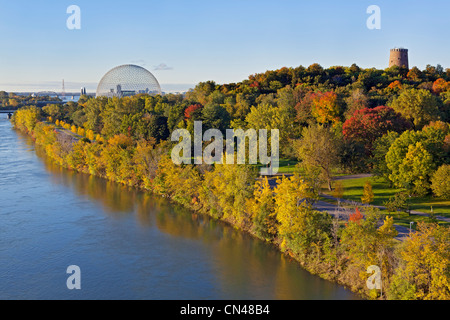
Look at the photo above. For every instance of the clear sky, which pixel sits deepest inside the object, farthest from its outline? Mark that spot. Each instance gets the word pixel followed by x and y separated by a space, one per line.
pixel 183 42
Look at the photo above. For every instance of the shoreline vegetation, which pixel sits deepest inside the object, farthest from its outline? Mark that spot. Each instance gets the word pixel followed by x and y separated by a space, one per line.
pixel 392 123
pixel 336 250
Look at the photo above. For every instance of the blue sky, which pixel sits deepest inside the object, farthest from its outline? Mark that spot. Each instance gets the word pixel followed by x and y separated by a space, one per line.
pixel 200 40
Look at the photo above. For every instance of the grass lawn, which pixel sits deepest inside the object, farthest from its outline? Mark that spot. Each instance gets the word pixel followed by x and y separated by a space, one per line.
pixel 353 190
pixel 285 166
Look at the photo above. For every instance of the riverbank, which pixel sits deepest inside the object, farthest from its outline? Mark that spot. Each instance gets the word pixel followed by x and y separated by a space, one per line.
pixel 129 244
pixel 336 251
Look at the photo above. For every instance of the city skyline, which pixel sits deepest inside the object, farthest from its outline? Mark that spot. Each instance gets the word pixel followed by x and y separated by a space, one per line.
pixel 184 43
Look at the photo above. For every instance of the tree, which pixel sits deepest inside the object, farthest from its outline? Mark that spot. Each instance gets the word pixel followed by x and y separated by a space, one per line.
pixel 215 117
pixel 365 244
pixel 26 118
pixel 193 112
pixel 318 148
pixel 414 74
pixel 338 191
pixel 80 131
pixel 440 85
pixel 413 170
pixel 440 182
pixel 201 92
pixel 368 195
pixel 398 202
pixel 226 190
pixel 417 105
pixel 413 157
pixel 53 110
pixel 315 69
pixel 425 264
pixel 262 210
pixel 357 100
pixel 380 148
pixel 356 216
pixel 366 125
pixel 302 230
pixel 325 107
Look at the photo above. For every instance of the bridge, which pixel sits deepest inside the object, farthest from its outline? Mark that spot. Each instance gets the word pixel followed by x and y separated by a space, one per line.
pixel 8 112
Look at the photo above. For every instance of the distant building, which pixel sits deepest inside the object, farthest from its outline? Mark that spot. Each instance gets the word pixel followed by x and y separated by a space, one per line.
pixel 399 58
pixel 127 80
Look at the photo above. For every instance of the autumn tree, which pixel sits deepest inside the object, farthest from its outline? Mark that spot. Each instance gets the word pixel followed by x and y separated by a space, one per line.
pixel 193 112
pixel 303 231
pixel 440 182
pixel 262 210
pixel 53 110
pixel 226 190
pixel 325 107
pixel 319 148
pixel 424 270
pixel 366 125
pixel 414 74
pixel 338 190
pixel 367 244
pixel 440 85
pixel 368 195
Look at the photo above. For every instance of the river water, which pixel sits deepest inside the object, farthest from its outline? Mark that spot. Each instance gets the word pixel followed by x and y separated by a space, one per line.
pixel 127 244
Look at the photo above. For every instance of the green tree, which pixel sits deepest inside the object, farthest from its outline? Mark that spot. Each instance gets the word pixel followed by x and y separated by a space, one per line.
pixel 413 157
pixel 417 105
pixel 380 149
pixel 215 117
pixel 319 148
pixel 53 110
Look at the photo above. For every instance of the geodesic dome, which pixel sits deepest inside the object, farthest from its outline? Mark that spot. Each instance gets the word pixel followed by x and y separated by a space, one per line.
pixel 127 80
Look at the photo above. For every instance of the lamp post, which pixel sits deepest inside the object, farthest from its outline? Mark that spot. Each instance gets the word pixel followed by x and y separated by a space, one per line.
pixel 410 226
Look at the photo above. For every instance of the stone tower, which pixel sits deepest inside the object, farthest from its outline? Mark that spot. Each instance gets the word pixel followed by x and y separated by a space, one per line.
pixel 399 57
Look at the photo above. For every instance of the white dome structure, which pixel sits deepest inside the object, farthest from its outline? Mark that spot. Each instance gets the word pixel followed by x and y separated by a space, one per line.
pixel 127 80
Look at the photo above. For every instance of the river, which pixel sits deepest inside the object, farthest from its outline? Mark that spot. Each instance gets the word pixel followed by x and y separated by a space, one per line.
pixel 127 244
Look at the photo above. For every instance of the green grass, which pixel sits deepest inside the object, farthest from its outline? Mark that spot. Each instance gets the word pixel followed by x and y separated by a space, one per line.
pixel 285 166
pixel 353 190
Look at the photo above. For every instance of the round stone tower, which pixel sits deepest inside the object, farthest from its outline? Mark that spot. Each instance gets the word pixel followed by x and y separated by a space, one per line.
pixel 399 57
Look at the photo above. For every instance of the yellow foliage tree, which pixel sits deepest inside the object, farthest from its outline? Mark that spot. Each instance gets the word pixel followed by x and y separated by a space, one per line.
pixel 80 131
pixel 262 210
pixel 427 261
pixel 368 195
pixel 291 206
